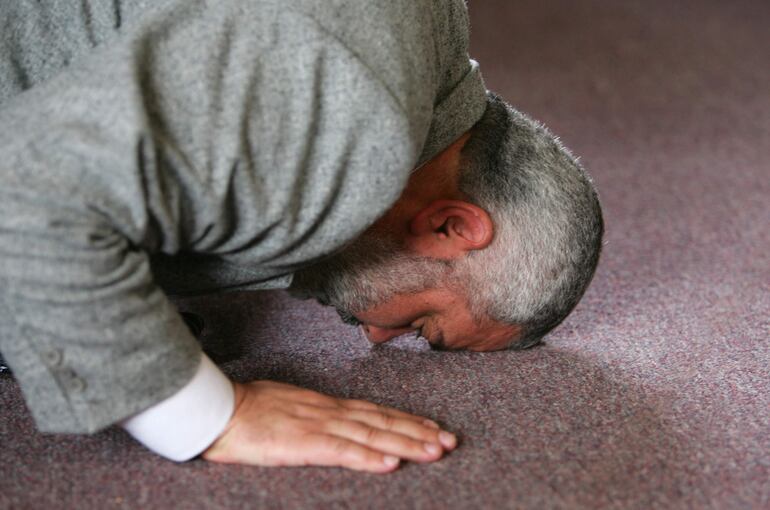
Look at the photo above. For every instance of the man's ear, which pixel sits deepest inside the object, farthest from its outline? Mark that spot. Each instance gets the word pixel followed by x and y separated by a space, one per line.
pixel 448 229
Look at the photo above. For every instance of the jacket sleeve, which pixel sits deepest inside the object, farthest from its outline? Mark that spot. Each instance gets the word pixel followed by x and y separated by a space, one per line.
pixel 90 337
pixel 237 129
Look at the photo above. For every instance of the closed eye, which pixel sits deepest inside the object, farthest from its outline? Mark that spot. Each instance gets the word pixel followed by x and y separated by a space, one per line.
pixel 348 318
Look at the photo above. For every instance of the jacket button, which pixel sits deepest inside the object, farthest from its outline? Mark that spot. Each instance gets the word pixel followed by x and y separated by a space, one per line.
pixel 52 357
pixel 75 384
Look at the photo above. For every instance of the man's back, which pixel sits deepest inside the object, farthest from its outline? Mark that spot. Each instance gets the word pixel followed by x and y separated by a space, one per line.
pixel 259 136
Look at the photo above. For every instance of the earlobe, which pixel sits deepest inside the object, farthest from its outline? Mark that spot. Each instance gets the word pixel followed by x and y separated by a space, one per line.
pixel 449 229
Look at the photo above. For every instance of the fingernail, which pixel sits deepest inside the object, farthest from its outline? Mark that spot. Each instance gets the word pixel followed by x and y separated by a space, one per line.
pixel 433 449
pixel 430 423
pixel 390 461
pixel 447 439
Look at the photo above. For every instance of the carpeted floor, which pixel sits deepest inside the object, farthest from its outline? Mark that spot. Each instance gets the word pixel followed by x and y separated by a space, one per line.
pixel 654 394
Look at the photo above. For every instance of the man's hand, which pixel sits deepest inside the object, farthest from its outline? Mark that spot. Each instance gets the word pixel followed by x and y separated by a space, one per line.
pixel 278 424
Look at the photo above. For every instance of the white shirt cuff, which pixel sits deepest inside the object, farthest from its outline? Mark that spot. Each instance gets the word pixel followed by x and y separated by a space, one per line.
pixel 185 424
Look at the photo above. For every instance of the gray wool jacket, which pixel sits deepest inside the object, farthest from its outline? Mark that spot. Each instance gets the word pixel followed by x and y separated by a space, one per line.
pixel 188 146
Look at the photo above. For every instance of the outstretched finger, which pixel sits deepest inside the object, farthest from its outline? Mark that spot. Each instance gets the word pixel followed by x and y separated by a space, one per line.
pixel 331 450
pixel 410 428
pixel 392 443
pixel 363 405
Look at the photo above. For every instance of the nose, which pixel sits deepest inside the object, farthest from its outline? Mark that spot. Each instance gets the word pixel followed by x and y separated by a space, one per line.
pixel 381 335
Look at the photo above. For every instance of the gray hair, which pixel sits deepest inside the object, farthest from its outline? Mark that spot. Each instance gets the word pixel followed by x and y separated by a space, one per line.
pixel 548 224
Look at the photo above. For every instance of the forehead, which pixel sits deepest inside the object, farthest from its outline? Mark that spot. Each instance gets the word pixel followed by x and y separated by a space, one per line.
pixel 450 314
pixel 487 335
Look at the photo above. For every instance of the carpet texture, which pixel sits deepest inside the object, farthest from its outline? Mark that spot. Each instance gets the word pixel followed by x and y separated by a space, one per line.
pixel 655 393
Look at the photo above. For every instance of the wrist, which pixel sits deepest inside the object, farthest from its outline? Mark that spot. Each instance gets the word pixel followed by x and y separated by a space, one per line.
pixel 186 423
pixel 217 450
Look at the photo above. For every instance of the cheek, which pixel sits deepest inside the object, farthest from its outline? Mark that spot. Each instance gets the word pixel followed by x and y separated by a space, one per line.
pixel 387 316
pixel 402 310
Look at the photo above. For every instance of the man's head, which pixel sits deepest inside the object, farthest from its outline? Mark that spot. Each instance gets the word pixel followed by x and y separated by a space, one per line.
pixel 490 246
